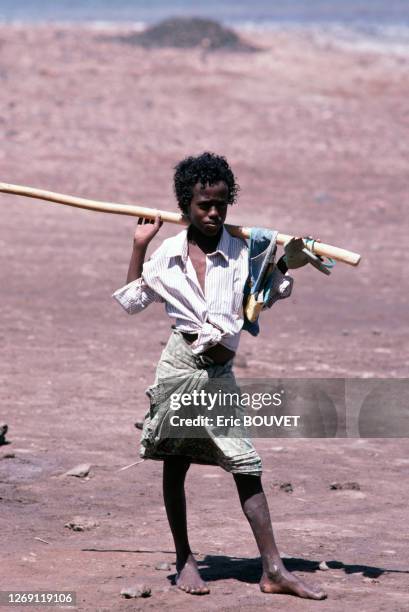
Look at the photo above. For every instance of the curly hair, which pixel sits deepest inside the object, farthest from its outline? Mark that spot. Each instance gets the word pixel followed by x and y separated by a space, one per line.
pixel 206 168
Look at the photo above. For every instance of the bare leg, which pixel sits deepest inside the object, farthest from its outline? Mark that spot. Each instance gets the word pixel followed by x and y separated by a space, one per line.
pixel 188 578
pixel 275 578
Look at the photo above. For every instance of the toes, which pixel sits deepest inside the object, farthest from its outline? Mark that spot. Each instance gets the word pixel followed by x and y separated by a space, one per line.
pixel 204 590
pixel 311 594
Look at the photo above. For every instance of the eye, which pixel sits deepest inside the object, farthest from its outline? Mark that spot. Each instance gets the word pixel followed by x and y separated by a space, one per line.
pixel 222 206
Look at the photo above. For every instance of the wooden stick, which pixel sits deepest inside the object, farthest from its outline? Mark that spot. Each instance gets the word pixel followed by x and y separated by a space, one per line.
pixel 41 540
pixel 320 248
pixel 129 550
pixel 126 467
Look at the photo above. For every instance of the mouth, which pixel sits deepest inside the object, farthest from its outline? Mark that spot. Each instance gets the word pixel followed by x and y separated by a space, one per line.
pixel 213 225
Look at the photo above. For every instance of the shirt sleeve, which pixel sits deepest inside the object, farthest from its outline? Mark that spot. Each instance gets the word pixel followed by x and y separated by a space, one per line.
pixel 136 296
pixel 281 287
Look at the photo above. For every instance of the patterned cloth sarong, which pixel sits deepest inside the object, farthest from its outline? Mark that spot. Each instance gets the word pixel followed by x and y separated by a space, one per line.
pixel 180 371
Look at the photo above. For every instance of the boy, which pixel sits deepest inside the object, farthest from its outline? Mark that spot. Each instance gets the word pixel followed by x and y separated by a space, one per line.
pixel 200 275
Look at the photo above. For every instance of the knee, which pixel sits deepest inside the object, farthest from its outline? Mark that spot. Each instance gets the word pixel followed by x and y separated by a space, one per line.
pixel 247 485
pixel 175 468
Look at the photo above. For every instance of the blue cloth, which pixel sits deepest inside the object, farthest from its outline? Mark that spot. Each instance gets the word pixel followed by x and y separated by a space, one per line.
pixel 262 250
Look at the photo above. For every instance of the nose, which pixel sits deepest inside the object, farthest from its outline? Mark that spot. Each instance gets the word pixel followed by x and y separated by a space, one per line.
pixel 213 213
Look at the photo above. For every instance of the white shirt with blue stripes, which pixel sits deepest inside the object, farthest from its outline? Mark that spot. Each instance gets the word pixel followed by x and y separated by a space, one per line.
pixel 215 314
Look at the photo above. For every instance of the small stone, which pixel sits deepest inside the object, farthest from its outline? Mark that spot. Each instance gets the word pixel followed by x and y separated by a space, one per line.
pixel 140 590
pixel 322 198
pixel 162 565
pixel 323 566
pixel 80 523
pixel 8 456
pixel 3 430
pixel 376 332
pixel 345 332
pixel 287 487
pixel 370 580
pixel 139 424
pixel 345 486
pixel 79 471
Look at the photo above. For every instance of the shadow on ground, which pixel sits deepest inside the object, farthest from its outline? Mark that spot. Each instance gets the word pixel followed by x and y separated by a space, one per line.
pixel 221 567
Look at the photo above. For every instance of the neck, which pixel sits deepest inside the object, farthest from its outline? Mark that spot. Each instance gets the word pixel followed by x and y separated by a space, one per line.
pixel 207 244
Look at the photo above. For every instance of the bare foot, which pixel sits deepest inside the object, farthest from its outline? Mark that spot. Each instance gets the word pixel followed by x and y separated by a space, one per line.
pixel 188 578
pixel 282 581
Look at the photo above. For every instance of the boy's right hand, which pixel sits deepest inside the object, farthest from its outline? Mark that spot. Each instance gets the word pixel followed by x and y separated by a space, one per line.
pixel 146 230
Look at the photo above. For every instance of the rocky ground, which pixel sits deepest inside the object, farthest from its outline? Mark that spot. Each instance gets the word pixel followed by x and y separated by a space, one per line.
pixel 317 135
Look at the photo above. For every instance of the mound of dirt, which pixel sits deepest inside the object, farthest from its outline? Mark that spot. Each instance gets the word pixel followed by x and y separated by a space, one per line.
pixel 188 33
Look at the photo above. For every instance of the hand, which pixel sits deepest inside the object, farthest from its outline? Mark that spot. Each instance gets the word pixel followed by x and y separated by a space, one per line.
pixel 146 230
pixel 298 255
pixel 295 256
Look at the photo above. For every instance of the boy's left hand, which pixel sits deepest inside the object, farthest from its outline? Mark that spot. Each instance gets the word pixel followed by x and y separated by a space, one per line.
pixel 297 255
pixel 294 255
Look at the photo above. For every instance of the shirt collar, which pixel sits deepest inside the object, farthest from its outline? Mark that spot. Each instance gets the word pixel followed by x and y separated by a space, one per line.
pixel 179 246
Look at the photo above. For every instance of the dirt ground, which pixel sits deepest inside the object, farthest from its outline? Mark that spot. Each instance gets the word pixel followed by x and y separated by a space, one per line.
pixel 317 135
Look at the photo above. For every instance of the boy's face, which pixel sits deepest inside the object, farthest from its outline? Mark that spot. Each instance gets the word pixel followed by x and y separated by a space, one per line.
pixel 208 208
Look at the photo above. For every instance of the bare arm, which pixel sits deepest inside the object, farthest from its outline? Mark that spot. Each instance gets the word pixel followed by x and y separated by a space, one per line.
pixel 136 262
pixel 144 233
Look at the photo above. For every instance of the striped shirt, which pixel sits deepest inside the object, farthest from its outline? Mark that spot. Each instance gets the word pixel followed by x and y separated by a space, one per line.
pixel 216 314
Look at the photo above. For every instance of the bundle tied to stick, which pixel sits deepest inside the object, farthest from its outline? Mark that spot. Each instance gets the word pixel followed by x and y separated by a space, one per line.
pixel 319 248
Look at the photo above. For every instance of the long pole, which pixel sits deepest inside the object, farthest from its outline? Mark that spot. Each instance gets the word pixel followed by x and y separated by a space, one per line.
pixel 320 248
